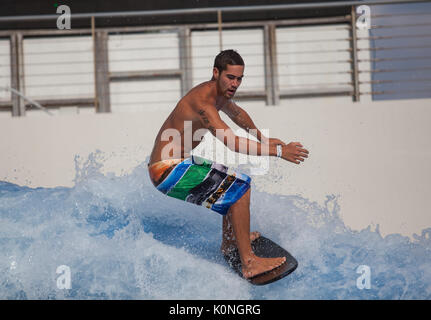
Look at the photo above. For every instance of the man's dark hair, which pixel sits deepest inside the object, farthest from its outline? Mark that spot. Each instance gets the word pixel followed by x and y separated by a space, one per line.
pixel 226 57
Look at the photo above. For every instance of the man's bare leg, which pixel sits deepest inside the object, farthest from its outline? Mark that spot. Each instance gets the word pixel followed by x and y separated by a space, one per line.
pixel 239 218
pixel 229 242
pixel 228 237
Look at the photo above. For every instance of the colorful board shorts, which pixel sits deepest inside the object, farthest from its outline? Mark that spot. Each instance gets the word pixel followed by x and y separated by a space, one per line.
pixel 200 181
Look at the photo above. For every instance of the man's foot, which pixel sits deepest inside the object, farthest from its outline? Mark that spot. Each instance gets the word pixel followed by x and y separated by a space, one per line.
pixel 256 265
pixel 228 246
pixel 254 235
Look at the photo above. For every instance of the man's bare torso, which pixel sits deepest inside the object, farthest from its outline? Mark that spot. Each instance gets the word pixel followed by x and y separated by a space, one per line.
pixel 189 108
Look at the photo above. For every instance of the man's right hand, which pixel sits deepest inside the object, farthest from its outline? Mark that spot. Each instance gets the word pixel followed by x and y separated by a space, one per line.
pixel 294 152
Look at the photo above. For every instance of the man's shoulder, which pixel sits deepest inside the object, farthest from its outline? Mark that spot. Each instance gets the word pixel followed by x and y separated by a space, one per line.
pixel 201 86
pixel 201 95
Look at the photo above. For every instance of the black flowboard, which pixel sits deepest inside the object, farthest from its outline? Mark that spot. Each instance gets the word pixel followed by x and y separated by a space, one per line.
pixel 265 248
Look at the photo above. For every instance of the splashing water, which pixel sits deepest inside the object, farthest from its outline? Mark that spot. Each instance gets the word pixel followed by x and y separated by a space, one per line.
pixel 122 239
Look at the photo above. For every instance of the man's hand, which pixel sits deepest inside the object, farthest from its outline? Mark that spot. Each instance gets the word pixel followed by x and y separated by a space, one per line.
pixel 294 152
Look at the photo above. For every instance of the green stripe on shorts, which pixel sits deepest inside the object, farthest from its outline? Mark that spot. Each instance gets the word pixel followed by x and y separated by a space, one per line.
pixel 193 176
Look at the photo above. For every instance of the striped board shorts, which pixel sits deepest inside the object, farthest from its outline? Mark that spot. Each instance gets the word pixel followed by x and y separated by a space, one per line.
pixel 200 181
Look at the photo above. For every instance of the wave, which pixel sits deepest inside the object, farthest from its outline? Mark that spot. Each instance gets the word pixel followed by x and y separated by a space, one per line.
pixel 122 239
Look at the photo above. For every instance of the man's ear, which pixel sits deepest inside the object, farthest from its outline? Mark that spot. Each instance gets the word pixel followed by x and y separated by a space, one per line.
pixel 215 73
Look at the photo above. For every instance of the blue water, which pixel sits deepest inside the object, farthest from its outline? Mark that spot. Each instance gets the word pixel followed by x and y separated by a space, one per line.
pixel 122 239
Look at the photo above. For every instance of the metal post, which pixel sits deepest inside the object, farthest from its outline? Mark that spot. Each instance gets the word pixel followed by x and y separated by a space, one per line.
pixel 185 45
pixel 274 64
pixel 93 36
pixel 271 66
pixel 219 22
pixel 354 47
pixel 102 72
pixel 268 69
pixel 16 61
pixel 21 68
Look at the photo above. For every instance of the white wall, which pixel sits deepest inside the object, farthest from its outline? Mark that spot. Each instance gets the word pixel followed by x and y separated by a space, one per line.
pixel 249 43
pixel 302 51
pixel 375 156
pixel 58 67
pixel 141 52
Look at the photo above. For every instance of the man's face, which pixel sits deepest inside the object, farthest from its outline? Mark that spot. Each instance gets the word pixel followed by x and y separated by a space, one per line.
pixel 229 80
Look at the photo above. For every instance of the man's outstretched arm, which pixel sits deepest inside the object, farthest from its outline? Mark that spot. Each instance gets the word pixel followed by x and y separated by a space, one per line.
pixel 211 120
pixel 293 152
pixel 241 118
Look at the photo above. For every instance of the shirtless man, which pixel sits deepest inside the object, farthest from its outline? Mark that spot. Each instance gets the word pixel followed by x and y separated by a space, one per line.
pixel 200 181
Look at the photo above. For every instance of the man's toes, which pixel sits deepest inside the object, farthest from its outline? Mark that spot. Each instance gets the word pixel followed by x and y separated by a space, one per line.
pixel 254 235
pixel 282 260
pixel 247 274
pixel 279 262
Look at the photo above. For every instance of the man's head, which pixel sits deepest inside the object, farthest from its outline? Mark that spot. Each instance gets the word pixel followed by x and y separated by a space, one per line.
pixel 228 72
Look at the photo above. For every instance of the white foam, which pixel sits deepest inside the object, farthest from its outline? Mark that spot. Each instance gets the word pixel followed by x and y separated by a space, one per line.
pixel 122 239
